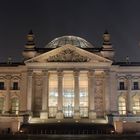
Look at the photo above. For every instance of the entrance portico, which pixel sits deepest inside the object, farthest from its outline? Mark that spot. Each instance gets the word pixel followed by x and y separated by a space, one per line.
pixel 70 91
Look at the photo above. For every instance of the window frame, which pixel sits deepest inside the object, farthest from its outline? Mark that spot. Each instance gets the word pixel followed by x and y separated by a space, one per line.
pixel 135 87
pixel 2 87
pixel 122 105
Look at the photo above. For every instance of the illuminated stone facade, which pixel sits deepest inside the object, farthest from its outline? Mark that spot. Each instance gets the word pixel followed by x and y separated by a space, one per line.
pixel 69 81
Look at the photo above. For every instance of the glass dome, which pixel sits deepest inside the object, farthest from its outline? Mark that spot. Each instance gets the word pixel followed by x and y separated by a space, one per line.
pixel 72 40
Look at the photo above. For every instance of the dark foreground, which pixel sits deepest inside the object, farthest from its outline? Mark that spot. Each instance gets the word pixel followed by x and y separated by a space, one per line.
pixel 69 137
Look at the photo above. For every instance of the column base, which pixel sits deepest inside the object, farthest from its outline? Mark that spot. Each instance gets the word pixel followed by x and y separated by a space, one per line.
pixel 27 116
pixel 59 115
pixel 44 115
pixel 92 115
pixel 76 115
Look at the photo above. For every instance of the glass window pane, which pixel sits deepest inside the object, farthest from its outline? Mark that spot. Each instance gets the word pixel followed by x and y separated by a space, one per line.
pixel 68 95
pixel 122 105
pixel 136 105
pixel 15 105
pixel 121 84
pixel 135 85
pixel 15 85
pixel 53 94
pixel 1 85
pixel 83 99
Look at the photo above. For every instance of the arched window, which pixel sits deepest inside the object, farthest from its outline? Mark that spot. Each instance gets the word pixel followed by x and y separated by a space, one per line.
pixel 1 105
pixel 136 105
pixel 122 105
pixel 15 105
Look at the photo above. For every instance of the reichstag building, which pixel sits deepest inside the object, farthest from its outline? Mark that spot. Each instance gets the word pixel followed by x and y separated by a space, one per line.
pixel 70 80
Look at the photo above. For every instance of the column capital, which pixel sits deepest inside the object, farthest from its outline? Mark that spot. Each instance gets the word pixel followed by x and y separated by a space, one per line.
pixel 45 72
pixel 30 72
pixel 106 73
pixel 60 73
pixel 91 73
pixel 76 73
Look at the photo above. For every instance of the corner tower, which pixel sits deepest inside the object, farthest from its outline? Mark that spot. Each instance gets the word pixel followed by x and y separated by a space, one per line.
pixel 30 49
pixel 107 50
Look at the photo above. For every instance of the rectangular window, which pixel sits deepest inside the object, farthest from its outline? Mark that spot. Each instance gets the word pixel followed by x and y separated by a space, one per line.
pixel 15 85
pixel 53 95
pixel 135 85
pixel 83 98
pixel 15 106
pixel 68 95
pixel 1 85
pixel 121 86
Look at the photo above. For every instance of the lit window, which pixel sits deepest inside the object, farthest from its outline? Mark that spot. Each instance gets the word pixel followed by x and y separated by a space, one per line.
pixel 122 106
pixel 15 105
pixel 53 95
pixel 68 95
pixel 1 85
pixel 121 86
pixel 135 85
pixel 136 105
pixel 83 100
pixel 1 104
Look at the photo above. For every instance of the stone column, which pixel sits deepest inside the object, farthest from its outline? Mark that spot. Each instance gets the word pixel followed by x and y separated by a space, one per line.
pixel 128 102
pixel 91 93
pixel 107 92
pixel 113 93
pixel 8 107
pixel 76 95
pixel 29 92
pixel 59 114
pixel 44 112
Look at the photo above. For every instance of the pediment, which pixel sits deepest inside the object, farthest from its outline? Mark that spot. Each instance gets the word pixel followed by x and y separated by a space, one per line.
pixel 68 53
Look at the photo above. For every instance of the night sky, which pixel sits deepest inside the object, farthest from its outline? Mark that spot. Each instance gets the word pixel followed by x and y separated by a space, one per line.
pixel 84 18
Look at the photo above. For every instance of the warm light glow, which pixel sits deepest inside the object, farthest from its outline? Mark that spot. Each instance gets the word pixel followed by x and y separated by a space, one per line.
pixel 83 99
pixel 68 95
pixel 53 95
pixel 136 105
pixel 112 131
pixel 15 105
pixel 122 105
pixel 21 131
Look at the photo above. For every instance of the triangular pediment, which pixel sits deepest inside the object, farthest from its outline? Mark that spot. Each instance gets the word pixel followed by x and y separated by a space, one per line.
pixel 68 53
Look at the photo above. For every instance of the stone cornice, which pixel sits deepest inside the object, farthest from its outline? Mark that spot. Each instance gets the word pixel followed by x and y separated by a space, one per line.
pixel 58 65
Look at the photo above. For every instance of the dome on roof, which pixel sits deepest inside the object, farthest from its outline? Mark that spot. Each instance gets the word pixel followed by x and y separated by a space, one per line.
pixel 72 40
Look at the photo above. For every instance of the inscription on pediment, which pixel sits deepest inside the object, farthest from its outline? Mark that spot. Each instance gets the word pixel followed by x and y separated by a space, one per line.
pixel 68 55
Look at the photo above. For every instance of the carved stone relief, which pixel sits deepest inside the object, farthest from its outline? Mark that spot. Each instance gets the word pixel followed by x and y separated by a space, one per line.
pixel 68 55
pixel 99 97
